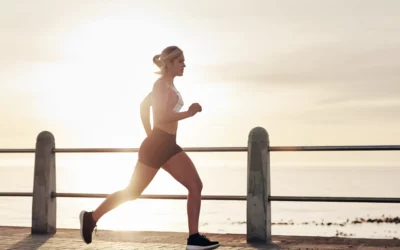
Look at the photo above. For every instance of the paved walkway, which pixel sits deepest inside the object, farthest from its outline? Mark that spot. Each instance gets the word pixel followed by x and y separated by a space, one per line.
pixel 20 238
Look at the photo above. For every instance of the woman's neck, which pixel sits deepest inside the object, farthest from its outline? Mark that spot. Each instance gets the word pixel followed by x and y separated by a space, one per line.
pixel 168 79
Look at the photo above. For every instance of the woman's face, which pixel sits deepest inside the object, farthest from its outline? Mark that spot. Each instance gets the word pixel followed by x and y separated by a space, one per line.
pixel 177 66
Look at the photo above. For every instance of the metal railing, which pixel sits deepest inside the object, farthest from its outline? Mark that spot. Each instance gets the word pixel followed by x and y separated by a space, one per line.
pixel 220 149
pixel 258 160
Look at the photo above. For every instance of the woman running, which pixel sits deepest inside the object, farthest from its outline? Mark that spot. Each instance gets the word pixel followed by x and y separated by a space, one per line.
pixel 160 149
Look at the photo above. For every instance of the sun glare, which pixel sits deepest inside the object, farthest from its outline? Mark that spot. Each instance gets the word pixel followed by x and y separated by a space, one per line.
pixel 106 70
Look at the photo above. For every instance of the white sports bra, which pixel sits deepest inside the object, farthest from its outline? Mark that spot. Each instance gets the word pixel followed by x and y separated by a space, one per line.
pixel 178 106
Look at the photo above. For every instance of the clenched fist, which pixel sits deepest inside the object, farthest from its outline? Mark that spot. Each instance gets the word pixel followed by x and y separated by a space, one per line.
pixel 194 108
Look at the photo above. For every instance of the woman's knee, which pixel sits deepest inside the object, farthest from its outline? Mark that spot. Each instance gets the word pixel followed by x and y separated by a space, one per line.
pixel 131 193
pixel 195 187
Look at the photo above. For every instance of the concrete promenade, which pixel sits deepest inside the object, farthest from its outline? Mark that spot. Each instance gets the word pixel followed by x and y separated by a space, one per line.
pixel 21 238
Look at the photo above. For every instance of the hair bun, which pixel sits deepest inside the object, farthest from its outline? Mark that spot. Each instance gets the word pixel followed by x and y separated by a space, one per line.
pixel 157 60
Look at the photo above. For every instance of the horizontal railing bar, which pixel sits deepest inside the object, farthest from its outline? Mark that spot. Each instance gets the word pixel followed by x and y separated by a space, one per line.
pixel 239 149
pixel 220 197
pixel 151 196
pixel 15 194
pixel 335 199
pixel 113 150
pixel 17 150
pixel 217 149
pixel 336 148
pixel 96 150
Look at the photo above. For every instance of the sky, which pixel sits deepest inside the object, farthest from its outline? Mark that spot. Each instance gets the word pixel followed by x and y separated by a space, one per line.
pixel 309 72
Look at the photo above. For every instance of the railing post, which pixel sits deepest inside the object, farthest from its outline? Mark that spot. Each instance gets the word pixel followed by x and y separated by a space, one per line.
pixel 44 183
pixel 258 187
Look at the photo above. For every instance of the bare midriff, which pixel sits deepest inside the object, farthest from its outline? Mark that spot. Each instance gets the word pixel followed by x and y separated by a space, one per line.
pixel 170 128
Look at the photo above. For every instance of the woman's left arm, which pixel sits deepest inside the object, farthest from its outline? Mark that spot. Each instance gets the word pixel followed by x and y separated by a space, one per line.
pixel 145 113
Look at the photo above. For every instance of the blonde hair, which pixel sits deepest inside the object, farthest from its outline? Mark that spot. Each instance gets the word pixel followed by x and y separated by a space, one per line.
pixel 167 55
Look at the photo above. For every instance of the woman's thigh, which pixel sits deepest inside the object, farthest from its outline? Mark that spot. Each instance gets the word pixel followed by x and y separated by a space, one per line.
pixel 141 178
pixel 181 167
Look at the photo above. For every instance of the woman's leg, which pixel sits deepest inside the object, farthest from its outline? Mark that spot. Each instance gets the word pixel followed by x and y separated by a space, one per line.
pixel 181 167
pixel 140 179
pixel 183 170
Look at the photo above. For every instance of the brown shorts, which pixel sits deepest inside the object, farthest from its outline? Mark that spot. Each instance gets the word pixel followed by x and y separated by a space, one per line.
pixel 158 148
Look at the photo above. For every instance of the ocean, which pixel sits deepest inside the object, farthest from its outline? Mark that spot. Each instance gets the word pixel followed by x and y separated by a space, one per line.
pixel 106 173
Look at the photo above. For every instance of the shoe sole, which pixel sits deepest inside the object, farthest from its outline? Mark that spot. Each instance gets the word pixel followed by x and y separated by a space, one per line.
pixel 81 223
pixel 202 248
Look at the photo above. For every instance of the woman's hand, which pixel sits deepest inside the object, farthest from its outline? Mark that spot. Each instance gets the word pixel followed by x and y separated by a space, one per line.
pixel 194 109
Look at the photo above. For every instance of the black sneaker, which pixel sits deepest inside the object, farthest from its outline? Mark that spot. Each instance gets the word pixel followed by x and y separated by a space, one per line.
pixel 200 242
pixel 87 226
